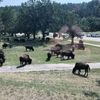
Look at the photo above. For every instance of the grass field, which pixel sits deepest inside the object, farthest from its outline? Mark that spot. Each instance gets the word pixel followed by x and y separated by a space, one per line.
pixel 51 85
pixel 90 54
pixel 97 32
pixel 92 42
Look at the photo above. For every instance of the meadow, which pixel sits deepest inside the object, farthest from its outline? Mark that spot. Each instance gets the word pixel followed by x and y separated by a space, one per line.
pixel 39 55
pixel 92 42
pixel 51 85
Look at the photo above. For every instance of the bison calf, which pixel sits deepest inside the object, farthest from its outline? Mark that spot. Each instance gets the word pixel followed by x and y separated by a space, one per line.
pixel 25 59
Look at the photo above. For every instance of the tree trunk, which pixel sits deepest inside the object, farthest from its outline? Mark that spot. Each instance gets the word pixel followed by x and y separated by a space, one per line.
pixel 72 41
pixel 27 35
pixel 43 35
pixel 34 37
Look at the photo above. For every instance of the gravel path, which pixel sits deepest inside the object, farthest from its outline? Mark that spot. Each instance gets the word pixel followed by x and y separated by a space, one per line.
pixel 43 67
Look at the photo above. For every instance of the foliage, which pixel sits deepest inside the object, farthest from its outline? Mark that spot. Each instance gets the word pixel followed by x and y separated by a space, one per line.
pixel 8 19
pixel 36 15
pixel 1 26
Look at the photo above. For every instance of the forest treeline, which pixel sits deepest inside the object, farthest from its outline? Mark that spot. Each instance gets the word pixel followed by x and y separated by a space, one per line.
pixel 35 15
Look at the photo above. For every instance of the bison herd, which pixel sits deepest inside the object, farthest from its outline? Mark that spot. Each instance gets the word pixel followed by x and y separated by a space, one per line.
pixel 58 50
pixel 24 59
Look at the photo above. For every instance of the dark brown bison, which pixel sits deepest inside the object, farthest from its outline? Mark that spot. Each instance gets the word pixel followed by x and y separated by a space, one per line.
pixel 2 59
pixel 69 54
pixel 81 66
pixel 5 45
pixel 49 55
pixel 25 59
pixel 30 48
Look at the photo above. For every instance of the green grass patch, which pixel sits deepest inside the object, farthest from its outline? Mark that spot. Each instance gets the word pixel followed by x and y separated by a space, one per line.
pixel 90 54
pixel 92 42
pixel 97 32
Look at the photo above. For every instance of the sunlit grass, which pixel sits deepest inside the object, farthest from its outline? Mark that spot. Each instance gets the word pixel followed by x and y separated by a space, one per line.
pixel 92 42
pixel 58 85
pixel 90 54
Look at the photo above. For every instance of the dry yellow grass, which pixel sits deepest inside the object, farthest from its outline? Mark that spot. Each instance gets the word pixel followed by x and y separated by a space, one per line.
pixel 52 85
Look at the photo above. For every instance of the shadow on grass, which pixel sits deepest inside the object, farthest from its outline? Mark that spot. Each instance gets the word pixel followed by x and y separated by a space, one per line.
pixel 20 66
pixel 92 94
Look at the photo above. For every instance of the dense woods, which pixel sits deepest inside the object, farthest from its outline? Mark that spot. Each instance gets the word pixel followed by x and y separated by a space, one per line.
pixel 36 15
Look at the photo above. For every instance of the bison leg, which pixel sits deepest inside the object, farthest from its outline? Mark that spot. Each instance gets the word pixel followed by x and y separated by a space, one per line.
pixel 21 62
pixel 72 56
pixel 74 70
pixel 1 64
pixel 48 59
pixel 79 71
pixel 29 61
pixel 86 73
pixel 32 49
pixel 68 57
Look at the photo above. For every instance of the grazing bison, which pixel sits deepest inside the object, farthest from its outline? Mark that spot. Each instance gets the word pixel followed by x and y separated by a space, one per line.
pixel 81 45
pixel 5 45
pixel 48 56
pixel 30 48
pixel 25 59
pixel 81 66
pixel 69 54
pixel 2 59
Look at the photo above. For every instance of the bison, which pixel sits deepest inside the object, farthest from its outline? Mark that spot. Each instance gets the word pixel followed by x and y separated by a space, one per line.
pixel 25 59
pixel 81 66
pixel 49 55
pixel 30 48
pixel 69 54
pixel 2 59
pixel 5 45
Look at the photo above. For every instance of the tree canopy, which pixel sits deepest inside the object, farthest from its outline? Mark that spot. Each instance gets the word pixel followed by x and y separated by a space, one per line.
pixel 36 15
